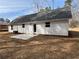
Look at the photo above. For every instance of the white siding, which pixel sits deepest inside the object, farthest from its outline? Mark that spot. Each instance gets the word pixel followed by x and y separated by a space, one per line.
pixel 28 29
pixel 9 29
pixel 54 29
pixel 15 27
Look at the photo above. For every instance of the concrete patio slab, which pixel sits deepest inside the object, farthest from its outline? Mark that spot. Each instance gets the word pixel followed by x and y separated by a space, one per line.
pixel 23 36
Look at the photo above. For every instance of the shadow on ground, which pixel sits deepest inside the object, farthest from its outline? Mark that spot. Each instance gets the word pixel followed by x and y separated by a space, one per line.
pixel 74 34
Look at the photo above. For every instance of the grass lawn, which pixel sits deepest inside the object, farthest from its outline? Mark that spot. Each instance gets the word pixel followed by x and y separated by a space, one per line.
pixel 40 47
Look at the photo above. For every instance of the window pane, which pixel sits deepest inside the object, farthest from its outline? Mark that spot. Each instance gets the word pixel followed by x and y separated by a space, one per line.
pixel 47 24
pixel 23 25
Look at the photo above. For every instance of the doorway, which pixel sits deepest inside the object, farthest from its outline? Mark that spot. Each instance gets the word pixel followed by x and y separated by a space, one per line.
pixel 34 27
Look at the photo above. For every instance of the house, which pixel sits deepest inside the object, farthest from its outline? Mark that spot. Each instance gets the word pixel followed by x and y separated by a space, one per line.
pixel 51 23
pixel 3 26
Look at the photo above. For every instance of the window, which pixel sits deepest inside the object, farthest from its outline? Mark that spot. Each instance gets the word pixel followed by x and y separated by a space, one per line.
pixel 11 27
pixel 23 25
pixel 47 24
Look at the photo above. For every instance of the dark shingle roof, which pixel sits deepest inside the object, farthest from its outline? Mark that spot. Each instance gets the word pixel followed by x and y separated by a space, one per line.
pixel 52 15
pixel 25 18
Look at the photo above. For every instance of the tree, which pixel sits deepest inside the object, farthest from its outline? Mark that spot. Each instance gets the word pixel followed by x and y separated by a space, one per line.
pixel 47 9
pixel 68 2
pixel 40 5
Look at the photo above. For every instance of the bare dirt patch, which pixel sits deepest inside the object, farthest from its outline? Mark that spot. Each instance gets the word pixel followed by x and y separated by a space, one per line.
pixel 40 47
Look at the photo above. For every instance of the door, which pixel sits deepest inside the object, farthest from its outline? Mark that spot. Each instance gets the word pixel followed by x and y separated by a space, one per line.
pixel 34 27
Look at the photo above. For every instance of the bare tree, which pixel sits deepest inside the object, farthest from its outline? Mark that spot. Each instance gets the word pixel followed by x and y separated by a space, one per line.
pixel 53 4
pixel 40 4
pixel 36 5
pixel 68 2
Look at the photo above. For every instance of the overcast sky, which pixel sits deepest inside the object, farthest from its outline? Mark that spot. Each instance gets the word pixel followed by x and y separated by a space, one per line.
pixel 14 8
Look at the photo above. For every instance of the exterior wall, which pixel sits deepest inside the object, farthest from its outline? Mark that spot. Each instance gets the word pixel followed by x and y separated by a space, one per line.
pixel 56 28
pixel 28 29
pixel 15 28
pixel 9 29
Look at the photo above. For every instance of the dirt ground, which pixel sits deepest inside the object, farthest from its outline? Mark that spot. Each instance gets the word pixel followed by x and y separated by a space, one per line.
pixel 74 29
pixel 40 47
